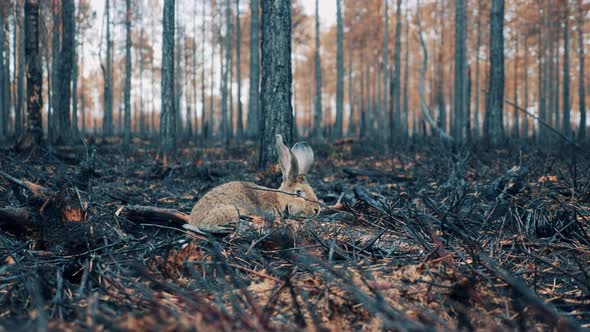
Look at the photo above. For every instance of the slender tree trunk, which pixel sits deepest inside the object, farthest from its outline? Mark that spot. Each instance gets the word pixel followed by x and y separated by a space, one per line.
pixel 226 67
pixel 581 88
pixel 495 99
pixel 386 89
pixel 317 123
pixel 142 112
pixel 20 93
pixel 566 125
pixel 240 123
pixel 254 93
pixel 340 69
pixel 440 77
pixel 525 122
pixel 66 60
pixel 394 102
pixel 3 87
pixel 276 93
pixel 82 93
pixel 351 99
pixel 211 100
pixel 515 124
pixel 178 75
pixel 127 101
pixel 405 107
pixel 49 94
pixel 460 70
pixel 33 72
pixel 55 76
pixel 476 118
pixel 363 107
pixel 107 125
pixel 167 114
pixel 557 81
pixel 541 75
pixel 75 130
pixel 203 106
pixel 7 96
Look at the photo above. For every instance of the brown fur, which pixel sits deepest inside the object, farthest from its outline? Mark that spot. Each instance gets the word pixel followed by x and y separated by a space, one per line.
pixel 222 206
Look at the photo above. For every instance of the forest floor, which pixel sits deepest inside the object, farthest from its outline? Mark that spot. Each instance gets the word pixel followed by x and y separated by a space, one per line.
pixel 431 239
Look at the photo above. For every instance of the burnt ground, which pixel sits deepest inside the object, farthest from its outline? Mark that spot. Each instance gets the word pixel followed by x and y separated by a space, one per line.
pixel 432 239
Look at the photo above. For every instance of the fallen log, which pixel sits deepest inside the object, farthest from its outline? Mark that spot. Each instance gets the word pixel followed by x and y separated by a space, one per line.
pixel 15 216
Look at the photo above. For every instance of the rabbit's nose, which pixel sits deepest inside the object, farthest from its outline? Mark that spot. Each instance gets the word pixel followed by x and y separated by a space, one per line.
pixel 316 210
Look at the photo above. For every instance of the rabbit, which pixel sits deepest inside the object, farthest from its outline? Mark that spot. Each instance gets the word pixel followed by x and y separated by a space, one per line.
pixel 220 208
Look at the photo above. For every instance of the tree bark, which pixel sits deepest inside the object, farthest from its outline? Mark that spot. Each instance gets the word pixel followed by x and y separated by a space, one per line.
pixel 581 88
pixel 75 130
pixel 33 72
pixel 405 106
pixel 167 115
pixel 515 124
pixel 394 88
pixel 3 85
pixel 317 123
pixel 127 97
pixel 55 76
pixel 476 119
pixel 240 123
pixel 20 93
pixel 340 74
pixel 459 100
pixel 495 99
pixel 351 99
pixel 66 60
pixel 107 125
pixel 276 78
pixel 566 125
pixel 254 93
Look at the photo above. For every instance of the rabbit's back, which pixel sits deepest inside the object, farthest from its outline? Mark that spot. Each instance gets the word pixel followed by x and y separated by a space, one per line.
pixel 222 205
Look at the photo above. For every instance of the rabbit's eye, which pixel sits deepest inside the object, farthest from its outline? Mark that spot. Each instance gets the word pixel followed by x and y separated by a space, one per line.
pixel 299 193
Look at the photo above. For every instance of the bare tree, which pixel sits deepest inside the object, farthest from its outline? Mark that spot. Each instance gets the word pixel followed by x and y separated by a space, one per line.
pixel 340 69
pixel 317 122
pixel 581 88
pixel 495 98
pixel 459 101
pixel 276 93
pixel 254 94
pixel 240 123
pixel 566 126
pixel 107 125
pixel 66 61
pixel 167 114
pixel 33 72
pixel 127 97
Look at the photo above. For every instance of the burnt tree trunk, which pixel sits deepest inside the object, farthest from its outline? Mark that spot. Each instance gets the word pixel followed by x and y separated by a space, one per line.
pixel 275 92
pixel 33 72
pixel 167 115
pixel 495 98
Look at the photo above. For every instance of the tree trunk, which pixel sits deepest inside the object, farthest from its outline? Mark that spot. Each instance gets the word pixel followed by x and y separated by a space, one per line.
pixel 82 93
pixel 3 87
pixel 317 122
pixel 203 108
pixel 566 125
pixel 351 100
pixel 20 93
pixel 581 88
pixel 440 77
pixel 495 98
pixel 459 104
pixel 178 77
pixel 107 125
pixel 33 72
pixel 75 80
pixel 405 107
pixel 167 114
pixel 127 98
pixel 211 124
pixel 55 75
pixel 254 94
pixel 541 84
pixel 394 88
pixel 384 101
pixel 476 120
pixel 240 123
pixel 525 119
pixel 515 124
pixel 276 110
pixel 226 67
pixel 340 68
pixel 66 60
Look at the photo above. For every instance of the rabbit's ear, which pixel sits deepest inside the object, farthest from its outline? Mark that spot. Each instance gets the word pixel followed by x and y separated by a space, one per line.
pixel 287 162
pixel 304 155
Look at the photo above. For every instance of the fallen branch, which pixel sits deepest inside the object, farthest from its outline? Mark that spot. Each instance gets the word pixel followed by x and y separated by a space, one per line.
pixel 15 216
pixel 37 190
pixel 152 214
